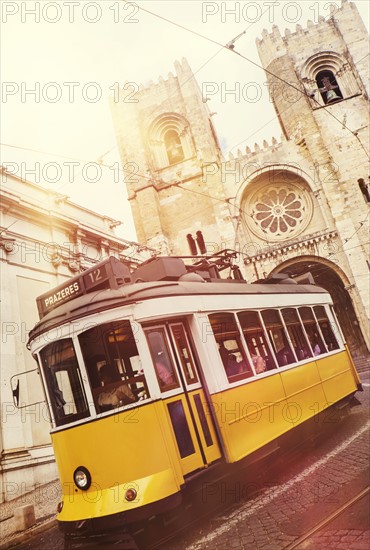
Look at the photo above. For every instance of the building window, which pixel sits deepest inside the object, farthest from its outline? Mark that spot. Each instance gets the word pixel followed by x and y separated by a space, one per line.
pixel 364 188
pixel 175 152
pixel 328 87
pixel 278 211
pixel 329 77
pixel 170 140
pixel 194 242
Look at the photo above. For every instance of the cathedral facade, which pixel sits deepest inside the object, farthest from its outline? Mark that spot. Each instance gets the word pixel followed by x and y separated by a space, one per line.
pixel 296 205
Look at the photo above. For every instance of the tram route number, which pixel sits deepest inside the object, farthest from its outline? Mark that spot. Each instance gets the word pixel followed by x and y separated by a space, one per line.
pixel 95 277
pixel 91 279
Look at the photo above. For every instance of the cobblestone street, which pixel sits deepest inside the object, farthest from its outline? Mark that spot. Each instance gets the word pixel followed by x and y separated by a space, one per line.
pixel 322 482
pixel 287 504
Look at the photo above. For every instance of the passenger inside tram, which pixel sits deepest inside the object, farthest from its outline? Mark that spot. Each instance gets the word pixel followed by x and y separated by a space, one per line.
pixel 258 361
pixel 285 356
pixel 230 361
pixel 164 371
pixel 163 364
pixel 232 367
pixel 115 395
pixel 113 365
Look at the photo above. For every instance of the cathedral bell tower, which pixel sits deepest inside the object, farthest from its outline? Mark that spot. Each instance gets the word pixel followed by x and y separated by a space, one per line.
pixel 321 97
pixel 166 137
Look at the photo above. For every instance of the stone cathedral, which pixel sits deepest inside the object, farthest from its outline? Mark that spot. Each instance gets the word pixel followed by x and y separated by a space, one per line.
pixel 298 205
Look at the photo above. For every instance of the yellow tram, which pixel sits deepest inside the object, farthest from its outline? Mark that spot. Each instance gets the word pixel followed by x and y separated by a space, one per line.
pixel 152 376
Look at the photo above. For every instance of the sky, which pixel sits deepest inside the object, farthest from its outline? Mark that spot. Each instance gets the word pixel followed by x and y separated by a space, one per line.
pixel 62 60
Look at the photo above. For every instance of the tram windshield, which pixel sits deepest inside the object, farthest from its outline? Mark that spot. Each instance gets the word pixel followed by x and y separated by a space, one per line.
pixel 113 365
pixel 63 379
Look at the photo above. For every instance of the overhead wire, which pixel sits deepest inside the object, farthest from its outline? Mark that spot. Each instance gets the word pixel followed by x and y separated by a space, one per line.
pixel 232 50
pixel 99 161
pixel 222 46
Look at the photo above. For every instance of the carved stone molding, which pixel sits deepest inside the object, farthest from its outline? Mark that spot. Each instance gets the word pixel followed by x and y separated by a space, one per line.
pixel 275 253
pixel 7 244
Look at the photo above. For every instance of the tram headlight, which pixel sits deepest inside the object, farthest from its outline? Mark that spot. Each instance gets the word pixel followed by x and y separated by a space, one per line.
pixel 82 478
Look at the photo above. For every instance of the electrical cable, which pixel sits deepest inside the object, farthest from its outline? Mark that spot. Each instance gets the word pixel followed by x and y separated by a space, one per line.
pixel 232 49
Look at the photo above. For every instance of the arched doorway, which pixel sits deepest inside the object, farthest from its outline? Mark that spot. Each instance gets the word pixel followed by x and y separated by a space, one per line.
pixel 329 276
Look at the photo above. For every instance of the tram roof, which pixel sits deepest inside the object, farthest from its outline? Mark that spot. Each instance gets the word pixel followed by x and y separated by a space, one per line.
pixel 103 300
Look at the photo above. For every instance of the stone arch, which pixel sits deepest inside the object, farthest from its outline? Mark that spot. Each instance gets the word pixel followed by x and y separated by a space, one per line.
pixel 331 277
pixel 337 68
pixel 290 168
pixel 169 139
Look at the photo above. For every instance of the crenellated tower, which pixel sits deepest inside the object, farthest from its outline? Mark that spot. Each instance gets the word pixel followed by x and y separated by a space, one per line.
pixel 170 139
pixel 322 95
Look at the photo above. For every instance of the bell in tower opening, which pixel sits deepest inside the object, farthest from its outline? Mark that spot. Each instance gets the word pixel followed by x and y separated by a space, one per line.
pixel 330 91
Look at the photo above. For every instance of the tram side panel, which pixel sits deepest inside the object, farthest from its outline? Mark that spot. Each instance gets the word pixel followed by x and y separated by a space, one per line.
pixel 131 449
pixel 338 376
pixel 305 393
pixel 258 412
pixel 251 416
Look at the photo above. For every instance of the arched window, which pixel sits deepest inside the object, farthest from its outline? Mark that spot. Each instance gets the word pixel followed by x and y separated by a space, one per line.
pixel 328 87
pixel 175 152
pixel 170 140
pixel 329 78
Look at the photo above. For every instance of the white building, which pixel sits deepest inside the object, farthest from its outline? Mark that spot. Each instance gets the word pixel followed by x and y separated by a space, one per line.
pixel 45 239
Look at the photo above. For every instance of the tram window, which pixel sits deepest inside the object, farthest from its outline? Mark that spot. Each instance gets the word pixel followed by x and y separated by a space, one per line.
pixel 312 330
pixel 230 347
pixel 278 339
pixel 164 369
pixel 181 428
pixel 184 352
pixel 326 328
pixel 256 341
pixel 113 365
pixel 296 334
pixel 63 380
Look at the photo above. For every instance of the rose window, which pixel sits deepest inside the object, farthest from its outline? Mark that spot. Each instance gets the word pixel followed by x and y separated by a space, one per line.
pixel 278 212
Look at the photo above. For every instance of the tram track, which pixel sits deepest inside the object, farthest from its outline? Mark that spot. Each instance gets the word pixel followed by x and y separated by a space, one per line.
pixel 211 512
pixel 218 512
pixel 330 518
pixel 162 542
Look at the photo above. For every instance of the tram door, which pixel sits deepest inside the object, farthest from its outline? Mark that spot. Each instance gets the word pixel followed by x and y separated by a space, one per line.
pixel 186 404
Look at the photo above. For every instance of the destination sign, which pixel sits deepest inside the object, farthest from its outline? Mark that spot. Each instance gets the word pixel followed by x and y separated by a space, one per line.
pixel 110 273
pixel 59 296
